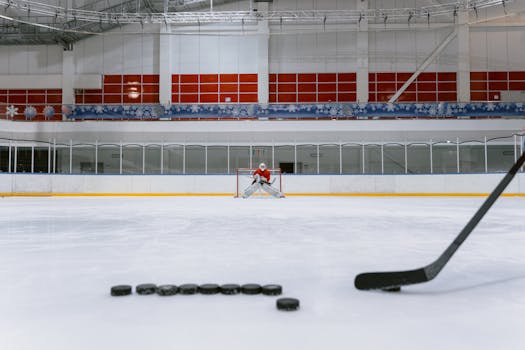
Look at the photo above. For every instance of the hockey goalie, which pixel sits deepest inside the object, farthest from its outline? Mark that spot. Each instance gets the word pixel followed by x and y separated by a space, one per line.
pixel 261 181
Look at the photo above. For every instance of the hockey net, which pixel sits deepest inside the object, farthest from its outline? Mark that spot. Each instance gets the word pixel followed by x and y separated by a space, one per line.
pixel 244 179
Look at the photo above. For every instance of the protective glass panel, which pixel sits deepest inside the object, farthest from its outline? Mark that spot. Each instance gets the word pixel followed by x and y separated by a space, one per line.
pixel 41 160
pixel 4 159
pixel 108 159
pixel 352 159
pixel 62 160
pixel 329 159
pixel 372 159
pixel 444 158
pixel 152 159
pixel 132 159
pixel 500 155
pixel 285 159
pixel 239 157
pixel 394 159
pixel 418 159
pixel 83 159
pixel 217 160
pixel 471 158
pixel 195 160
pixel 173 159
pixel 262 154
pixel 23 160
pixel 307 159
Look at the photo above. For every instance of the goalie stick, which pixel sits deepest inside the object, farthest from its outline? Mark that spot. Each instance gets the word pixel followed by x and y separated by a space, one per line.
pixel 392 281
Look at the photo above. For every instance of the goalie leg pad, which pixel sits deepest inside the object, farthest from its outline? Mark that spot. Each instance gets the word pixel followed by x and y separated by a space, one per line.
pixel 251 190
pixel 272 191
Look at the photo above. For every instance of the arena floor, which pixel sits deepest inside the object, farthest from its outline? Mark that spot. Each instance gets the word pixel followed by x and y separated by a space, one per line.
pixel 60 256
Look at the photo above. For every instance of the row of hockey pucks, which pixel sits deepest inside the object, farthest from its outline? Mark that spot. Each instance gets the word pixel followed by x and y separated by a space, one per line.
pixel 287 304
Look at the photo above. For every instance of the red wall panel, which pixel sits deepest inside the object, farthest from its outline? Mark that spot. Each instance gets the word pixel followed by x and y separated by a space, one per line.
pixel 229 78
pixel 209 98
pixel 307 98
pixel 248 78
pixel 307 77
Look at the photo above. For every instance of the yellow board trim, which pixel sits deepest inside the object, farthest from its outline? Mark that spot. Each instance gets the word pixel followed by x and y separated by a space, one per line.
pixel 50 194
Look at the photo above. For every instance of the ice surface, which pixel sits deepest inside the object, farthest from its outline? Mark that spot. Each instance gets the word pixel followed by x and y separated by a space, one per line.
pixel 60 256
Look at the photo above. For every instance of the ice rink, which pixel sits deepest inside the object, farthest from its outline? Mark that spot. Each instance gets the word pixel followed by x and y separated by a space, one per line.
pixel 60 256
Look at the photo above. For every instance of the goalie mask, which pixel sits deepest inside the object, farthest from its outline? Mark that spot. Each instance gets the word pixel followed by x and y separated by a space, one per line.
pixel 262 166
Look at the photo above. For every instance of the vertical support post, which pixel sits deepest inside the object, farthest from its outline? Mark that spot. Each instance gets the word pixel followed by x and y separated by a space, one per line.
pixel 515 148
pixel 522 148
pixel 9 157
pixel 48 157
pixel 184 159
pixel 486 156
pixel 165 64
pixel 54 155
pixel 406 159
pixel 228 156
pixel 143 159
pixel 463 47
pixel 68 77
pixel 457 154
pixel 205 159
pixel 71 156
pixel 250 166
pixel 362 55
pixel 363 157
pixel 15 159
pixel 295 158
pixel 120 159
pixel 263 61
pixel 317 157
pixel 162 158
pixel 33 159
pixel 382 158
pixel 340 158
pixel 96 156
pixel 273 156
pixel 431 157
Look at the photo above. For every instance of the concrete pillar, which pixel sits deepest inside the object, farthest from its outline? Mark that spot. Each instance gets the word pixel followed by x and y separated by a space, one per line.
pixel 362 56
pixel 263 55
pixel 463 77
pixel 68 77
pixel 165 64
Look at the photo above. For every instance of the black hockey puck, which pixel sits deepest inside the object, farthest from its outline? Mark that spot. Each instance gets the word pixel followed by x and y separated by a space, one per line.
pixel 288 304
pixel 230 289
pixel 188 289
pixel 209 288
pixel 146 288
pixel 272 289
pixel 251 289
pixel 167 290
pixel 392 289
pixel 121 290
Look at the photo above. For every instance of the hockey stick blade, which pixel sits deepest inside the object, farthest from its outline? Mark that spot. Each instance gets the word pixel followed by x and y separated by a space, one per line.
pixel 395 279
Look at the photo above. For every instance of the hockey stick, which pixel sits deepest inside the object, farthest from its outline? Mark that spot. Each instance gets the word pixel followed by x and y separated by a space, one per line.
pixel 392 281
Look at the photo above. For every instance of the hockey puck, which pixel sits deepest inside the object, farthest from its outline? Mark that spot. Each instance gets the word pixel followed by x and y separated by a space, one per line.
pixel 146 288
pixel 392 289
pixel 251 289
pixel 188 289
pixel 230 289
pixel 209 288
pixel 287 304
pixel 121 290
pixel 167 290
pixel 272 289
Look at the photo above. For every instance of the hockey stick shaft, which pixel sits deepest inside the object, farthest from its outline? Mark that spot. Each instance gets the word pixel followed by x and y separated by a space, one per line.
pixel 433 269
pixel 394 279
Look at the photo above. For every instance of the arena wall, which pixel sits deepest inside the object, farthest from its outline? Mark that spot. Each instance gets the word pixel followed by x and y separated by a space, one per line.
pixel 452 184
